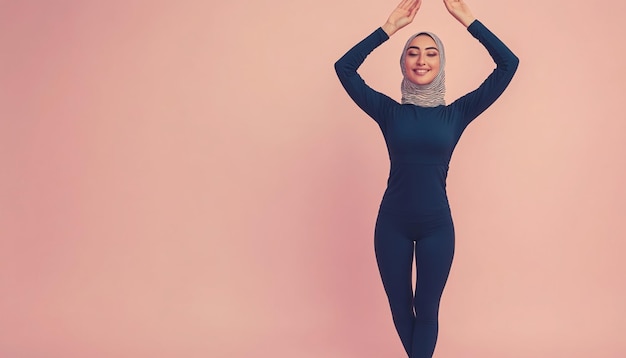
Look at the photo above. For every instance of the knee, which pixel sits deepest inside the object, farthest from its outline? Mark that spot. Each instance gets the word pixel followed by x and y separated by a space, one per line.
pixel 427 312
pixel 401 311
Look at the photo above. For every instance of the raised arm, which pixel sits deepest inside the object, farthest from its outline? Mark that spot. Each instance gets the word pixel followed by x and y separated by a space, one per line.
pixel 477 101
pixel 375 104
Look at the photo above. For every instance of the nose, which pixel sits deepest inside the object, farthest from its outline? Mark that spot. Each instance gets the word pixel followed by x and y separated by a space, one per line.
pixel 420 60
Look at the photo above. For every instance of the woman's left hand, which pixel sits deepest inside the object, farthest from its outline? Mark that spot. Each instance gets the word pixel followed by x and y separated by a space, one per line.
pixel 460 11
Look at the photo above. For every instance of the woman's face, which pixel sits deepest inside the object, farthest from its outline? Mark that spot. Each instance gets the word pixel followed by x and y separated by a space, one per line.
pixel 421 63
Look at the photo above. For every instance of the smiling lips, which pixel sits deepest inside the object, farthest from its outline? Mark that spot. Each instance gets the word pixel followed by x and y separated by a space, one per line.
pixel 420 72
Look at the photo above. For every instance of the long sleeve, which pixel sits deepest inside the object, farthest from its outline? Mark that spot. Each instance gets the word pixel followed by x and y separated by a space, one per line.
pixel 375 104
pixel 477 101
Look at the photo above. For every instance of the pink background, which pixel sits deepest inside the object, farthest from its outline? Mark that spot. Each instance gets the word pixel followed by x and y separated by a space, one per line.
pixel 189 179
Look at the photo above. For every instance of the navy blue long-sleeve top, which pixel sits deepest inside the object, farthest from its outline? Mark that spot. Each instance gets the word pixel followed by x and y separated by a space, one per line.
pixel 420 140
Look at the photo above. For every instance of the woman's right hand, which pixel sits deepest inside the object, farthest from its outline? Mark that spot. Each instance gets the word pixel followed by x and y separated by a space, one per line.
pixel 401 16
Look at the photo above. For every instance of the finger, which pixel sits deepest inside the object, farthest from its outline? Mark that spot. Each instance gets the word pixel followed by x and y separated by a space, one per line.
pixel 407 4
pixel 414 5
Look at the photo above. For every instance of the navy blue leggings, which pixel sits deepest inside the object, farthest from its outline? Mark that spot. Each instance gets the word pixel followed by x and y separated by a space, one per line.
pixel 431 239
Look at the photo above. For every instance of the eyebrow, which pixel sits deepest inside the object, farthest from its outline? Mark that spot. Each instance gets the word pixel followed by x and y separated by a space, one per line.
pixel 427 48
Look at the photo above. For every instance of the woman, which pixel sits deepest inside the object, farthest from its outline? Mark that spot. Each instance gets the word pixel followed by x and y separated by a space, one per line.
pixel 421 133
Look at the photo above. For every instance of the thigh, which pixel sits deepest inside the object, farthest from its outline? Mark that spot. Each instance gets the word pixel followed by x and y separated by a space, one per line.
pixel 434 252
pixel 394 254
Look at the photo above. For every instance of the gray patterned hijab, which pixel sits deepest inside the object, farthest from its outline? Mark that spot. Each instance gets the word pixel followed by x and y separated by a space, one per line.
pixel 432 94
